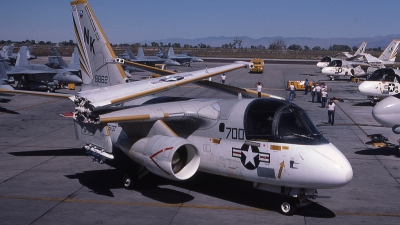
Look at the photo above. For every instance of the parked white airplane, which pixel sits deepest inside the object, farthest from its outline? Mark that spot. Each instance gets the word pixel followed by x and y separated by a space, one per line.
pixel 387 111
pixel 380 84
pixel 267 141
pixel 327 59
pixel 388 56
pixel 338 68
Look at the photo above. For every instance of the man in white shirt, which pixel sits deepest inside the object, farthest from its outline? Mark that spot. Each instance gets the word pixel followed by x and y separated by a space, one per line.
pixel 259 86
pixel 292 92
pixel 223 78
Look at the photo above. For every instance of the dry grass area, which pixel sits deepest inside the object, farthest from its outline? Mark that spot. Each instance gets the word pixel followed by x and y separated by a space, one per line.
pixel 212 52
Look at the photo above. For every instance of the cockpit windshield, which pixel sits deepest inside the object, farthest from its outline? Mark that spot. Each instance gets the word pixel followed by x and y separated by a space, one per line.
pixel 326 59
pixel 274 120
pixel 335 63
pixel 384 75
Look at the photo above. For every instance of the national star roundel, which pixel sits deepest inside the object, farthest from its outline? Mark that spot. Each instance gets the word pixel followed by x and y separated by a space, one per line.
pixel 250 156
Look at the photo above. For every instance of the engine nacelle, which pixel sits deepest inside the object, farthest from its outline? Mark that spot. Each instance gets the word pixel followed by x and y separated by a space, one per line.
pixel 170 157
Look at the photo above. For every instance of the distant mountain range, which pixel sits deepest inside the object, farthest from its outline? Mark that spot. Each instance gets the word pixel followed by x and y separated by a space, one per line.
pixel 373 42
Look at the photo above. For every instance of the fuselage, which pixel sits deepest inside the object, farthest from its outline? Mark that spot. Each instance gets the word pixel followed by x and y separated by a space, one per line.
pixel 265 141
pixel 381 83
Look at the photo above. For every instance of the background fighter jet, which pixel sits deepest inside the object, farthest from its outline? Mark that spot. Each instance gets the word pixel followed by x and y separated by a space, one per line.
pixel 147 60
pixel 11 57
pixel 56 61
pixel 37 76
pixel 183 59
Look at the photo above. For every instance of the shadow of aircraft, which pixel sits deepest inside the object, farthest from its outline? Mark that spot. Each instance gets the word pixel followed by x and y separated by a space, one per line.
pixel 4 110
pixel 55 152
pixel 364 104
pixel 385 151
pixel 238 191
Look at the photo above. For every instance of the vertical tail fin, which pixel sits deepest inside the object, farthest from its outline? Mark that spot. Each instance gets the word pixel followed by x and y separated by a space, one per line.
pixel 96 54
pixel 74 58
pixel 22 59
pixel 130 53
pixel 390 52
pixel 59 58
pixel 140 52
pixel 171 52
pixel 361 49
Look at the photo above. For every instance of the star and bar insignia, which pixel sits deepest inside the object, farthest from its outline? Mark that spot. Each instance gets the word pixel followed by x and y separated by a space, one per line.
pixel 250 156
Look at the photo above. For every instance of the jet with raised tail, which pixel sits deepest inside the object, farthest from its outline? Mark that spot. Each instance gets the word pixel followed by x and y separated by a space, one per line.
pixel 269 142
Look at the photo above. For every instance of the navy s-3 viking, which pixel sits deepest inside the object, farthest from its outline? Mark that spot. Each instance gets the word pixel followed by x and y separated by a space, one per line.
pixel 269 142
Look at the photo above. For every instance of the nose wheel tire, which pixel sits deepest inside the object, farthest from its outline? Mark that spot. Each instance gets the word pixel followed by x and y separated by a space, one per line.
pixel 288 208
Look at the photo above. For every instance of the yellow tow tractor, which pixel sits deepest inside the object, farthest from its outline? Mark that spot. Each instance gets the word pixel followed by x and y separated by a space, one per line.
pixel 257 65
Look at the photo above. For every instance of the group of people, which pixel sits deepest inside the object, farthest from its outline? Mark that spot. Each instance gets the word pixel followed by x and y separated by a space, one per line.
pixel 319 93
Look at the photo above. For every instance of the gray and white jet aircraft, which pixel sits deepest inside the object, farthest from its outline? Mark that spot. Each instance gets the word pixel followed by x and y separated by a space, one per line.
pixel 37 76
pixel 56 61
pixel 183 59
pixel 267 141
pixel 11 57
pixel 147 60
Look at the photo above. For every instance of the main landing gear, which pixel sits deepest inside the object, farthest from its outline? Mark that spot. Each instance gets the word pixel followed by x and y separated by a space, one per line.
pixel 131 178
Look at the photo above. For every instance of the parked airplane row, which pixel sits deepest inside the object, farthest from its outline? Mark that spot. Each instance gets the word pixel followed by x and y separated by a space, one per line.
pixel 360 64
pixel 267 141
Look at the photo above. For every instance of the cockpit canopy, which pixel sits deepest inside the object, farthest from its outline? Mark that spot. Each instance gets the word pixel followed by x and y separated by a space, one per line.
pixel 280 121
pixel 326 59
pixel 384 75
pixel 335 63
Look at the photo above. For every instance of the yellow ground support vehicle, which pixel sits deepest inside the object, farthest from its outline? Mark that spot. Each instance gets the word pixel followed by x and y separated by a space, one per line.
pixel 257 66
pixel 299 84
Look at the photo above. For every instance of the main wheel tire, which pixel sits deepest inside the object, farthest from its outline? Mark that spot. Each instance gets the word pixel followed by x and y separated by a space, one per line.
pixel 129 181
pixel 288 208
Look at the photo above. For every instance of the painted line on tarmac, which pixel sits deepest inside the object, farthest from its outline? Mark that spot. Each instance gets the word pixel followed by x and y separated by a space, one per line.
pixel 71 200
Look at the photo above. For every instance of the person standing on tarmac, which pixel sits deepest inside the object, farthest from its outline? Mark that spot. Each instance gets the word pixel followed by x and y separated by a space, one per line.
pixel 292 92
pixel 324 95
pixel 223 78
pixel 306 86
pixel 312 94
pixel 318 93
pixel 259 86
pixel 331 112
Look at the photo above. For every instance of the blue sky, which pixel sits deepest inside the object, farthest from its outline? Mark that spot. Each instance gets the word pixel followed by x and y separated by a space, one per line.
pixel 126 21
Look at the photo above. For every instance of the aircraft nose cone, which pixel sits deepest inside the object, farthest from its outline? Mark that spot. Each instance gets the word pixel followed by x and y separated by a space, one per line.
pixel 367 88
pixel 321 65
pixel 386 111
pixel 334 169
pixel 326 70
pixel 75 79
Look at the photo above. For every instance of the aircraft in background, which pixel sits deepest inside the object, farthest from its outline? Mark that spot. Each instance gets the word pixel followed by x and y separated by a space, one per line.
pixel 4 82
pixel 387 57
pixel 11 57
pixel 267 141
pixel 147 60
pixel 183 59
pixel 386 112
pixel 380 84
pixel 327 59
pixel 37 76
pixel 340 68
pixel 56 61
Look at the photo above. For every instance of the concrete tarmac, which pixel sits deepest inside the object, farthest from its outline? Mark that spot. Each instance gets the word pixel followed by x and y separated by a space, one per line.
pixel 46 178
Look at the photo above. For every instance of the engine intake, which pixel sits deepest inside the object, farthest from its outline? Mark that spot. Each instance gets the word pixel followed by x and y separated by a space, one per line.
pixel 170 157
